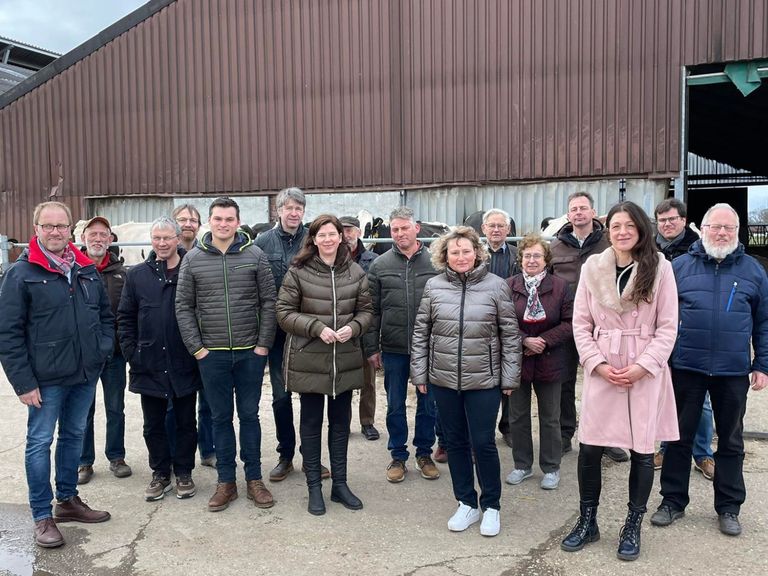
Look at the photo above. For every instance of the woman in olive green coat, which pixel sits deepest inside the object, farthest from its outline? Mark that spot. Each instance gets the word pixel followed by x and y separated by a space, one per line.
pixel 324 306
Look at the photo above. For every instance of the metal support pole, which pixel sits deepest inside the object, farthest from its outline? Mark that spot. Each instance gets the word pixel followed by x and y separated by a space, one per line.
pixel 5 258
pixel 622 189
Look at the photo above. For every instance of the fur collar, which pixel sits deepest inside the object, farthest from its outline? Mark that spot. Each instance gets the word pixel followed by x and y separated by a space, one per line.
pixel 599 276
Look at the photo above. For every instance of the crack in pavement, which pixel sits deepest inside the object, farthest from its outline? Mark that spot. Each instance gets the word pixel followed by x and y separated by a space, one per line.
pixel 534 561
pixel 130 558
pixel 14 447
pixel 447 562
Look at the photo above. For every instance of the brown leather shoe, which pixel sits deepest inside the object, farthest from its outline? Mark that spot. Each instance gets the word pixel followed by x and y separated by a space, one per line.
pixel 75 510
pixel 281 471
pixel 658 460
pixel 261 497
pixel 428 469
pixel 440 455
pixel 226 492
pixel 47 534
pixel 706 466
pixel 84 474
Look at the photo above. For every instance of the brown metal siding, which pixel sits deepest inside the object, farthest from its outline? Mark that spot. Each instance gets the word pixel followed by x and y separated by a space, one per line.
pixel 245 96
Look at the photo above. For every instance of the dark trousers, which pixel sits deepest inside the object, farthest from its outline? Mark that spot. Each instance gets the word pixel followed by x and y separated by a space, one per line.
pixel 729 403
pixel 550 444
pixel 311 433
pixel 204 427
pixel 368 394
pixel 282 407
pixel 568 394
pixel 113 385
pixel 468 420
pixel 156 437
pixel 590 477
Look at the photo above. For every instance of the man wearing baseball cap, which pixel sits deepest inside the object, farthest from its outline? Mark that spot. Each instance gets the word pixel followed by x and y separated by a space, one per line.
pixel 364 258
pixel 97 238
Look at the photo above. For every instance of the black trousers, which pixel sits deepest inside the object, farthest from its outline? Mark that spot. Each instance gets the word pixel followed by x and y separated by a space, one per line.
pixel 156 437
pixel 568 394
pixel 590 477
pixel 311 432
pixel 729 403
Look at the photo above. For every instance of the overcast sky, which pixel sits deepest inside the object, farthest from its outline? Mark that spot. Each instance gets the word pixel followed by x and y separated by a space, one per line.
pixel 60 25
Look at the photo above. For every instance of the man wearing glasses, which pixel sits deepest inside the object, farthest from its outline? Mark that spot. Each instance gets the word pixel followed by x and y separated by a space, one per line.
pixel 673 239
pixel 56 332
pixel 188 219
pixel 723 295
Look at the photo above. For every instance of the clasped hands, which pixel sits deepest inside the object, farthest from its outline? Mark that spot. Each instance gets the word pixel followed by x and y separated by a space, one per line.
pixel 329 336
pixel 622 377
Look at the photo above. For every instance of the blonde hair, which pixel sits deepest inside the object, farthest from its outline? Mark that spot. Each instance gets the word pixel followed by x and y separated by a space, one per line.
pixel 51 204
pixel 439 247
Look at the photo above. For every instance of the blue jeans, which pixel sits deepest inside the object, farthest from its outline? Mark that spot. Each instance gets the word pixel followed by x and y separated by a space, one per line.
pixel 231 376
pixel 282 407
pixel 113 385
pixel 469 424
pixel 396 372
pixel 69 406
pixel 702 442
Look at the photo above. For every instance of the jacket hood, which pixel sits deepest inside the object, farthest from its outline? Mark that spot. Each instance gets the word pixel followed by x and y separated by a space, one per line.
pixel 565 234
pixel 240 243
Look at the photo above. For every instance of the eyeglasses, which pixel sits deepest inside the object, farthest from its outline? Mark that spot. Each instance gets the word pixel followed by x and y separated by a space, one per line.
pixel 187 220
pixel 159 239
pixel 730 228
pixel 534 256
pixel 496 226
pixel 670 220
pixel 48 228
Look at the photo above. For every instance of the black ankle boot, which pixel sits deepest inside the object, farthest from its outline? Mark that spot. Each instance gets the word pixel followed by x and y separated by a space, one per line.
pixel 584 532
pixel 341 493
pixel 629 537
pixel 316 504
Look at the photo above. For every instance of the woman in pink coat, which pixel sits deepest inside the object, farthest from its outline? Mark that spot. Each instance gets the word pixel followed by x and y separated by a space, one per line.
pixel 624 325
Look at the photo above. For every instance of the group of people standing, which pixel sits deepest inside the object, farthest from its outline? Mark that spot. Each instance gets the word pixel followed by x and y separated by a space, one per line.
pixel 476 326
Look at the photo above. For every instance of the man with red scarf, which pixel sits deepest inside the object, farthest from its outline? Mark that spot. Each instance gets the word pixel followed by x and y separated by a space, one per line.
pixel 97 238
pixel 56 332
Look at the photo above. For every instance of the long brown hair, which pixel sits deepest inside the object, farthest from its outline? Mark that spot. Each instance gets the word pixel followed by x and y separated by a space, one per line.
pixel 644 252
pixel 309 250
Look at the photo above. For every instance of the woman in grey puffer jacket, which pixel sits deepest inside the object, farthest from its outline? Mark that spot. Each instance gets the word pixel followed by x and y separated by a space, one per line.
pixel 466 347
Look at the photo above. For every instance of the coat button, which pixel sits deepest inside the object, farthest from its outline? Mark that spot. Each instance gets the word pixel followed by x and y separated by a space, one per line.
pixel 631 354
pixel 602 316
pixel 634 313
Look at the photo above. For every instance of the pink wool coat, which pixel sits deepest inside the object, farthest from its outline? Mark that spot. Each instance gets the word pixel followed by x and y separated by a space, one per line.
pixel 610 329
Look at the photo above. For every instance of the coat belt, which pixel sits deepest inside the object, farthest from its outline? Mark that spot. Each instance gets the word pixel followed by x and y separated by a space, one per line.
pixel 616 334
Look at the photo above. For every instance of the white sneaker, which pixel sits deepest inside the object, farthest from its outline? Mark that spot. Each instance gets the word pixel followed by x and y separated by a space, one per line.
pixel 517 476
pixel 490 525
pixel 551 480
pixel 463 518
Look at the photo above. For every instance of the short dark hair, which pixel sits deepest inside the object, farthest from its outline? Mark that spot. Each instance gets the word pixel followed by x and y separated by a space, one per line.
pixel 670 204
pixel 181 207
pixel 224 202
pixel 581 194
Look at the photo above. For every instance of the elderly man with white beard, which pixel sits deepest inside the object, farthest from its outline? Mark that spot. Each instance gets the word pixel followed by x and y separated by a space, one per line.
pixel 723 303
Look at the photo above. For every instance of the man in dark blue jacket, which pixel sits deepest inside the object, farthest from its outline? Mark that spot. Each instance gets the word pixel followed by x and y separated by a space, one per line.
pixel 723 304
pixel 162 370
pixel 56 332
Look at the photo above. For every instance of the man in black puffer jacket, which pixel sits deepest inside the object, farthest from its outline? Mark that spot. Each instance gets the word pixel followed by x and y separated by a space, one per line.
pixel 225 307
pixel 161 367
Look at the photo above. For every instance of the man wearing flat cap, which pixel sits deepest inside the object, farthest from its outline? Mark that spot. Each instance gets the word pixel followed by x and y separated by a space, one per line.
pixel 364 258
pixel 97 238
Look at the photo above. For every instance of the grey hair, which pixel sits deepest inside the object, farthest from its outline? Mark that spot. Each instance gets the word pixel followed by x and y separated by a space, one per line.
pixel 165 222
pixel 497 212
pixel 720 206
pixel 403 213
pixel 293 193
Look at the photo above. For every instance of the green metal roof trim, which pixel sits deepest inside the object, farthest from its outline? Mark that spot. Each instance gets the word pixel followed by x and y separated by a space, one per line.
pixel 85 49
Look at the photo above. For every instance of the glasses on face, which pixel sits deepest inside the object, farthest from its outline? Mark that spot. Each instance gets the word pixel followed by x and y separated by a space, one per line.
pixel 159 239
pixel 496 226
pixel 48 228
pixel 670 220
pixel 716 228
pixel 187 220
pixel 534 256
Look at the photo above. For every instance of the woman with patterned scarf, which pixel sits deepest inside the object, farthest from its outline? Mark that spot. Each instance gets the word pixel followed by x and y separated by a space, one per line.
pixel 544 307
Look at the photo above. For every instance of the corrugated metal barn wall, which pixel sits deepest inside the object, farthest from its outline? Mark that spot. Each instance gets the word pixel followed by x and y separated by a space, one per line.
pixel 247 96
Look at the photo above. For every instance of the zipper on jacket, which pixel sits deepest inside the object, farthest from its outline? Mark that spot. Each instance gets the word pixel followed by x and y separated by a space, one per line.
pixel 490 357
pixel 716 308
pixel 461 329
pixel 226 299
pixel 333 303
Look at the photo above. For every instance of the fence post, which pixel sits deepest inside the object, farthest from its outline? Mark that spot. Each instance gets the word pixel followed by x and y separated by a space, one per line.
pixel 5 258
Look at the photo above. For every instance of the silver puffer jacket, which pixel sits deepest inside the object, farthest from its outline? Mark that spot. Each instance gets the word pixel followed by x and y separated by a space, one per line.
pixel 466 335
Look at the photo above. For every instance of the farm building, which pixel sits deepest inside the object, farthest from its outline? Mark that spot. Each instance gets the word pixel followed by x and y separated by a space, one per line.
pixel 452 106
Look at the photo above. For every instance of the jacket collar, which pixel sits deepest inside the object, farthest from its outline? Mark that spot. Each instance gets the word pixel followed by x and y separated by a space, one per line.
pixel 565 234
pixel 599 276
pixel 518 284
pixel 35 256
pixel 472 277
pixel 697 250
pixel 240 243
pixel 396 250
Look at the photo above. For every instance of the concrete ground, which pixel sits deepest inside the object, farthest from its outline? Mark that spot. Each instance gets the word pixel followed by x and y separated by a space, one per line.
pixel 401 530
